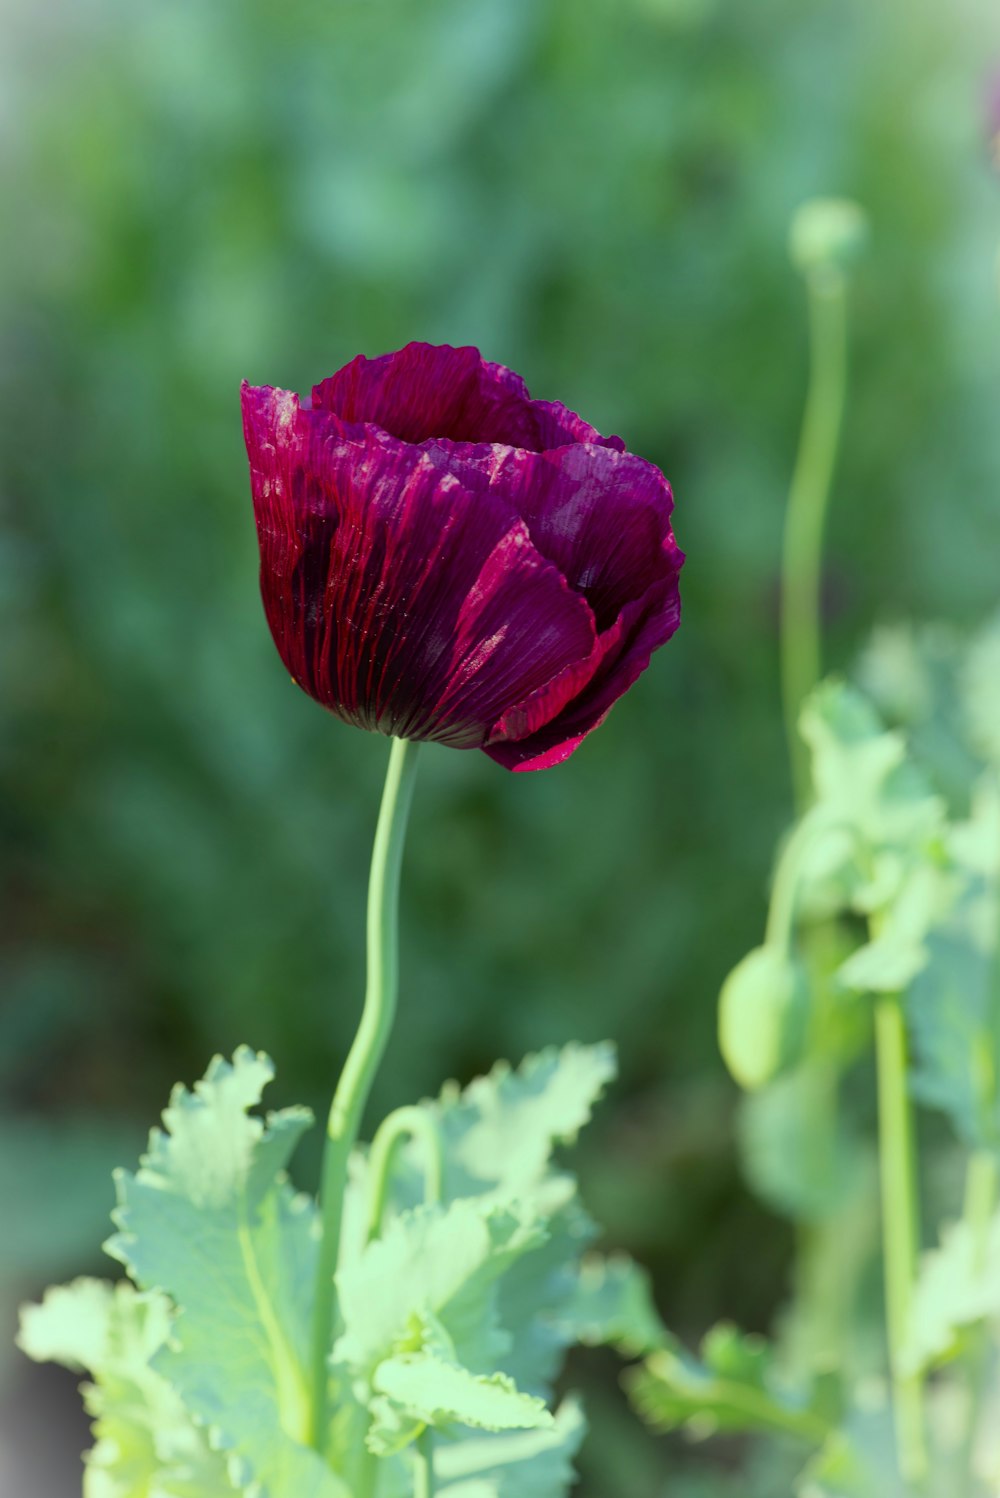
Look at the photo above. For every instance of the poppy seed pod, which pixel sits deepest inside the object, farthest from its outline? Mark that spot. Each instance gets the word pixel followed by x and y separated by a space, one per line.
pixel 444 558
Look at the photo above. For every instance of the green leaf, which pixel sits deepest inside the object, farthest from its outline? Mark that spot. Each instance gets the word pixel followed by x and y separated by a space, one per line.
pixel 953 1007
pixel 498 1136
pixel 535 1292
pixel 445 1260
pixel 798 1156
pixel 731 1388
pixel 209 1219
pixel 429 1390
pixel 913 675
pixel 612 1304
pixel 499 1132
pixel 522 1464
pixel 762 1011
pixel 147 1445
pixel 875 812
pixel 958 1285
pixel 891 960
pixel 858 1460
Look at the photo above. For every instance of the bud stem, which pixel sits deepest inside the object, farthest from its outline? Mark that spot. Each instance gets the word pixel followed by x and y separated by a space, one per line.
pixel 801 662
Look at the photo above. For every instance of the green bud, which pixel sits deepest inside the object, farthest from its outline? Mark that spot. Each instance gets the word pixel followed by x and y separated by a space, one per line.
pixel 761 1010
pixel 827 234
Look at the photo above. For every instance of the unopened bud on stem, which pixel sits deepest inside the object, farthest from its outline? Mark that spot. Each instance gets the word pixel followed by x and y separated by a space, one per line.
pixel 827 235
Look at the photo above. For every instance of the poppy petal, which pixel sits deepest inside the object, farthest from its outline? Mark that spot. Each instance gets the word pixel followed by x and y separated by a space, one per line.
pixel 624 653
pixel 600 515
pixel 396 597
pixel 426 391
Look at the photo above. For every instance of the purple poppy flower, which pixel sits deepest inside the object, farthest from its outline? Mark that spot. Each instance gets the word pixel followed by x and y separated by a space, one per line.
pixel 444 558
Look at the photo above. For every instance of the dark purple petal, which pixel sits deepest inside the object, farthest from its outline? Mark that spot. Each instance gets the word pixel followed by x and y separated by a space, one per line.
pixel 426 391
pixel 398 598
pixel 443 557
pixel 601 516
pixel 625 649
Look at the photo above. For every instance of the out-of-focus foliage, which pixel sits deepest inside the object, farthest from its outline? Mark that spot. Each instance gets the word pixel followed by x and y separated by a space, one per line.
pixel 597 192
pixel 895 863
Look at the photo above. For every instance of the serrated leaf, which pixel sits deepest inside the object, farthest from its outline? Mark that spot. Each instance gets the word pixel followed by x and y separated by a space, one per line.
pixel 731 1388
pixel 535 1291
pixel 499 1132
pixel 612 1304
pixel 147 1445
pixel 498 1136
pixel 443 1260
pixel 521 1464
pixel 427 1389
pixel 208 1219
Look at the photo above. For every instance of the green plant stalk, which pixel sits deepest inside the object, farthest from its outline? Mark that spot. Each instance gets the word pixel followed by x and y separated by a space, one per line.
pixel 423 1471
pixel 982 1190
pixel 823 1277
pixel 404 1123
pixel 805 518
pixel 981 1183
pixel 981 1186
pixel 900 1228
pixel 801 666
pixel 367 1050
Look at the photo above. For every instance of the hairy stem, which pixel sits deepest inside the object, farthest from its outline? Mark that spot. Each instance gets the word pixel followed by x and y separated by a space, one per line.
pixel 805 518
pixel 900 1228
pixel 363 1058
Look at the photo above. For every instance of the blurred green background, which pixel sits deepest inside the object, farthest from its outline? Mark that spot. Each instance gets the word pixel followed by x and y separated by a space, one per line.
pixel 597 193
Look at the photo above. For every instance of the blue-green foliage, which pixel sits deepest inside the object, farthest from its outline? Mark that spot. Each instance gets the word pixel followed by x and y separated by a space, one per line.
pixel 888 884
pixel 454 1317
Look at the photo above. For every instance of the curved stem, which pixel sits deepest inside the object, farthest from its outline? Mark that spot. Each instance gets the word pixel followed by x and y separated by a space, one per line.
pixel 801 662
pixel 404 1123
pixel 363 1058
pixel 900 1227
pixel 781 911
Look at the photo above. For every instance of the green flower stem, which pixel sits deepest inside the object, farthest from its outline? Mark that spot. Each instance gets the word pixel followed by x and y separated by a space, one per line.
pixel 423 1469
pixel 363 1058
pixel 900 1228
pixel 981 1187
pixel 807 505
pixel 801 667
pixel 981 1183
pixel 404 1123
